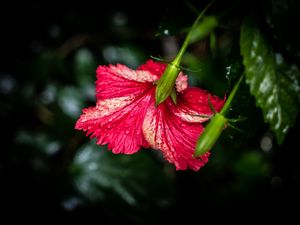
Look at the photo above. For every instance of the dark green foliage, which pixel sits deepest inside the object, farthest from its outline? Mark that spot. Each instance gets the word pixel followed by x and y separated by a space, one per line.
pixel 99 175
pixel 53 174
pixel 273 82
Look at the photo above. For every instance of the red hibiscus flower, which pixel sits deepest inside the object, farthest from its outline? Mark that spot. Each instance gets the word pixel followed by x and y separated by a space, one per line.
pixel 126 118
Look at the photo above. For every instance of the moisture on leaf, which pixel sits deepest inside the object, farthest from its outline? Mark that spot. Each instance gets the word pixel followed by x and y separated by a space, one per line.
pixel 273 82
pixel 135 179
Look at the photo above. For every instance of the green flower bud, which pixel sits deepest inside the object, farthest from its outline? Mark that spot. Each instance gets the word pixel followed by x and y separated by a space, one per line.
pixel 202 29
pixel 210 134
pixel 166 84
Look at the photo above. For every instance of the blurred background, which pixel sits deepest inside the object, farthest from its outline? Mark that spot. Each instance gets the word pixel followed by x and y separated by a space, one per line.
pixel 53 174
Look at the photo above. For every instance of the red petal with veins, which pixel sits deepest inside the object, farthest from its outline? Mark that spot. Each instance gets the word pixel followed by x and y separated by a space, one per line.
pixel 193 105
pixel 153 67
pixel 174 129
pixel 175 137
pixel 123 98
pixel 119 81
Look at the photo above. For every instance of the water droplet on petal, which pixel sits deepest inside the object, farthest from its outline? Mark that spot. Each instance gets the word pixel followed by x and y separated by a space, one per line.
pixel 127 132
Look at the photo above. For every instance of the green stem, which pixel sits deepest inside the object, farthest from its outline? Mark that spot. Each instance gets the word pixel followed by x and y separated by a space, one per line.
pixel 216 125
pixel 231 96
pixel 165 85
pixel 186 42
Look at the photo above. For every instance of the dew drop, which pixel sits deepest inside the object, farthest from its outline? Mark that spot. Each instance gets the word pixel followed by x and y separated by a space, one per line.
pixel 127 132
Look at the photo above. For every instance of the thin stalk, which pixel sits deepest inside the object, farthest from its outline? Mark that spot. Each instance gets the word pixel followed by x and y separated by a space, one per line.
pixel 231 96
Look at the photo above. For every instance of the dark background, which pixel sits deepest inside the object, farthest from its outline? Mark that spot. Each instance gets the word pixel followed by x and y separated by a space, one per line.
pixel 49 53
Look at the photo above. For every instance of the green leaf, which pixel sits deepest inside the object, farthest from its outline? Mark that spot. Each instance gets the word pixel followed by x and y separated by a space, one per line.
pixel 273 82
pixel 136 179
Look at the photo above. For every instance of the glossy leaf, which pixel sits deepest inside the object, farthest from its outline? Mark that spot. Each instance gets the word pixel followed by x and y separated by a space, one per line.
pixel 136 179
pixel 273 82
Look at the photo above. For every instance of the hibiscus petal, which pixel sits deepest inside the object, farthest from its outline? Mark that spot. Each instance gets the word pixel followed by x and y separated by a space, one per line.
pixel 181 82
pixel 118 81
pixel 153 67
pixel 176 138
pixel 116 122
pixel 193 105
pixel 123 96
